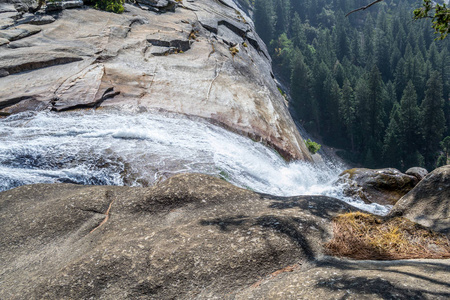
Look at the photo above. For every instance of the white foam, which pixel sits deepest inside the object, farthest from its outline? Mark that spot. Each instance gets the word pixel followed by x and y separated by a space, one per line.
pixel 139 149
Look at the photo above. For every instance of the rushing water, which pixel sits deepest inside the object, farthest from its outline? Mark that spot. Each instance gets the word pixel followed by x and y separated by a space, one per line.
pixel 140 149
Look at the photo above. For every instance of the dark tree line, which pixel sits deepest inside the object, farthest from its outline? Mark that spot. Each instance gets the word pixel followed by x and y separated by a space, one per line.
pixel 375 84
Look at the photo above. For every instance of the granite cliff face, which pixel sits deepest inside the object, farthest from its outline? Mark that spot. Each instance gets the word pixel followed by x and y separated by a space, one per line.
pixel 198 58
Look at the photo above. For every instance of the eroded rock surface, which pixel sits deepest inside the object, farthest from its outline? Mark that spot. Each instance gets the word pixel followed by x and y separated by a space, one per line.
pixel 383 186
pixel 429 202
pixel 190 236
pixel 199 58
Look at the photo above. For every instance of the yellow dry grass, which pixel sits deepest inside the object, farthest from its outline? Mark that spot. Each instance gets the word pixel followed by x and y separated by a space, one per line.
pixel 363 236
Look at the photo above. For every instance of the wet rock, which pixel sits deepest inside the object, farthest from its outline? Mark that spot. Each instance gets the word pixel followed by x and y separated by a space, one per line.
pixel 429 202
pixel 163 242
pixel 383 186
pixel 417 172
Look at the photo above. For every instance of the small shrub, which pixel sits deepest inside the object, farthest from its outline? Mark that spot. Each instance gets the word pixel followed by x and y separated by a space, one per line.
pixel 313 147
pixel 115 6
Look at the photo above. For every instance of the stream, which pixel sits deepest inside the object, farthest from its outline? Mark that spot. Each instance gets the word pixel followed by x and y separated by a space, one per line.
pixel 140 149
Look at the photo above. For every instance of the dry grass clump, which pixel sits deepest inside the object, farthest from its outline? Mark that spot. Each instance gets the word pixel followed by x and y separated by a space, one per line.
pixel 363 236
pixel 234 50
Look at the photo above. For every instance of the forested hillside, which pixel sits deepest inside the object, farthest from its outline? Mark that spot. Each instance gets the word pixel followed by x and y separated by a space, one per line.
pixel 375 84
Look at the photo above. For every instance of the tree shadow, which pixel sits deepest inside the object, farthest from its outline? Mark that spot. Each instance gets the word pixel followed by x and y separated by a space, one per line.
pixel 226 224
pixel 320 206
pixel 377 287
pixel 296 229
pixel 383 287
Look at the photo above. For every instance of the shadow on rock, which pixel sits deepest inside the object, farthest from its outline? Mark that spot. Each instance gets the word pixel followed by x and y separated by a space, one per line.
pixel 376 287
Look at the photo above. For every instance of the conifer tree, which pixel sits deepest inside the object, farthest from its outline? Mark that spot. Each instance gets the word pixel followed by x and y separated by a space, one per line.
pixel 302 98
pixel 347 111
pixel 391 152
pixel 409 126
pixel 263 17
pixel 433 119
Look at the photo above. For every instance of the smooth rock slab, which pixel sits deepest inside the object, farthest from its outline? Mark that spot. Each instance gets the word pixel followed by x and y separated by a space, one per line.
pixel 78 242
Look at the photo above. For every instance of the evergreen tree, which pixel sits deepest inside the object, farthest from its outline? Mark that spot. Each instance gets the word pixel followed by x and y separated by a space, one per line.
pixel 347 111
pixel 391 152
pixel 381 54
pixel 304 103
pixel 409 126
pixel 263 17
pixel 433 120
pixel 373 112
pixel 282 8
pixel 298 33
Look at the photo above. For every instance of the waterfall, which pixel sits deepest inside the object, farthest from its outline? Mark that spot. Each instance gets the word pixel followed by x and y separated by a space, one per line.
pixel 139 149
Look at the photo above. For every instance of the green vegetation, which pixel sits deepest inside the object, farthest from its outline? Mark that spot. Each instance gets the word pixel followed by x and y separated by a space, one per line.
pixel 224 175
pixel 375 84
pixel 115 6
pixel 441 16
pixel 313 147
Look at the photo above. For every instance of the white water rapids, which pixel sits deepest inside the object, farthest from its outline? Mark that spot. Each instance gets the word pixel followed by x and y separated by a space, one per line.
pixel 107 148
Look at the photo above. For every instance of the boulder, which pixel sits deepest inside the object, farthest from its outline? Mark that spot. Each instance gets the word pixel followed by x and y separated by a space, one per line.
pixel 429 202
pixel 417 172
pixel 192 236
pixel 382 186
